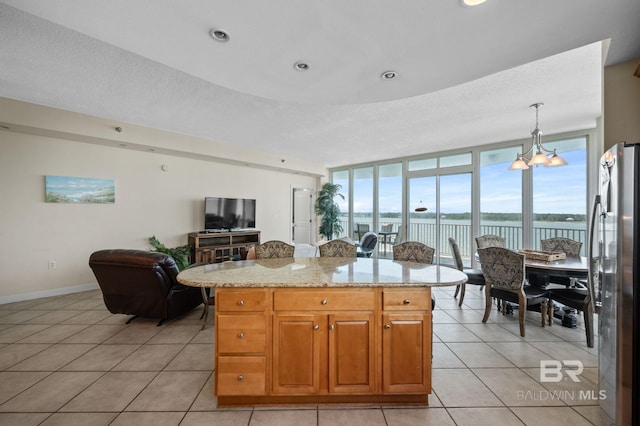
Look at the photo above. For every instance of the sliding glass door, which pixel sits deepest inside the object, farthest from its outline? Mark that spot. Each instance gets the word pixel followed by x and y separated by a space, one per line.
pixel 447 199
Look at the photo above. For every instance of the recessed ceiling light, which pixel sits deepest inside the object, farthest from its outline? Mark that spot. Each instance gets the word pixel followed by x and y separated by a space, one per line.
pixel 388 75
pixel 219 35
pixel 472 2
pixel 301 66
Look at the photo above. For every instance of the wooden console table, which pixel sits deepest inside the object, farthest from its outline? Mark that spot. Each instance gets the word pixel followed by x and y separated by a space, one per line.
pixel 214 247
pixel 322 330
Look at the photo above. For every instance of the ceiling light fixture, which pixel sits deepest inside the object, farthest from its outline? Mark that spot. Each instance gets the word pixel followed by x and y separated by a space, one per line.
pixel 388 75
pixel 472 2
pixel 543 156
pixel 219 35
pixel 301 66
pixel 421 208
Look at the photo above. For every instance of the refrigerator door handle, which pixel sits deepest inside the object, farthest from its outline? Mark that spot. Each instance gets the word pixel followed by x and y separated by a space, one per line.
pixel 592 274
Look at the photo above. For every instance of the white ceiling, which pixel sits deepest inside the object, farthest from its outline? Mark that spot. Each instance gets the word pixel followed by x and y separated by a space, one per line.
pixel 466 76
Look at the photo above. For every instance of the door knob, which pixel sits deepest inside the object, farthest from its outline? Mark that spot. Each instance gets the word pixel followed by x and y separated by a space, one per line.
pixel 316 327
pixel 324 301
pixel 240 302
pixel 240 335
pixel 387 326
pixel 331 327
pixel 406 301
pixel 240 378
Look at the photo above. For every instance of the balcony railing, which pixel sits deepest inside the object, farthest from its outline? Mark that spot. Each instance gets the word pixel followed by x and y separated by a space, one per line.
pixel 425 231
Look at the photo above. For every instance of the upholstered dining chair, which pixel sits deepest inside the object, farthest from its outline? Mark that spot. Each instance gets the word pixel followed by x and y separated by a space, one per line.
pixel 338 248
pixel 570 248
pixel 413 251
pixel 566 245
pixel 570 292
pixel 489 240
pixel 476 277
pixel 274 250
pixel 504 274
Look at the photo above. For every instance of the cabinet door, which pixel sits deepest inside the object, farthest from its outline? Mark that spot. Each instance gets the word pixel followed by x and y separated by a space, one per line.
pixel 406 353
pixel 351 353
pixel 296 353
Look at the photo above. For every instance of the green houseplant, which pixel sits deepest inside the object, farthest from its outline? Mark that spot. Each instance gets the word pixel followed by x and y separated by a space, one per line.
pixel 328 209
pixel 180 254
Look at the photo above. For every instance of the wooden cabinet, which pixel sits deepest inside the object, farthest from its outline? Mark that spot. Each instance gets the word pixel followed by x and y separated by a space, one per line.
pixel 296 353
pixel 351 353
pixel 214 247
pixel 333 349
pixel 406 341
pixel 361 345
pixel 241 342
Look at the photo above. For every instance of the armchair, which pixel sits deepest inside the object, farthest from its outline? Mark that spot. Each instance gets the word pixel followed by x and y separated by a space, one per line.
pixel 142 283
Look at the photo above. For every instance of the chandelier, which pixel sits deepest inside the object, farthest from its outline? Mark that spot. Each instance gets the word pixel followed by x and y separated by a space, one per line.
pixel 542 157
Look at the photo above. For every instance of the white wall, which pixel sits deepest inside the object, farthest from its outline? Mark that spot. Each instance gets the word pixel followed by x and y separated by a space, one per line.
pixel 149 202
pixel 621 104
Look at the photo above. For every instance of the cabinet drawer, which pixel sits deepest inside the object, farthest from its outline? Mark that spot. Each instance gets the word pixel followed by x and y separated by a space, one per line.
pixel 323 300
pixel 244 300
pixel 241 333
pixel 406 299
pixel 240 375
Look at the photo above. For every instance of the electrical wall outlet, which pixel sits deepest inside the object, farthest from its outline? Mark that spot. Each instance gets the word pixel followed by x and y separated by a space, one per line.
pixel 52 264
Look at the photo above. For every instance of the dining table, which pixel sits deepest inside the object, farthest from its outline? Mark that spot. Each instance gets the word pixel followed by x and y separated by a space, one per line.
pixel 541 273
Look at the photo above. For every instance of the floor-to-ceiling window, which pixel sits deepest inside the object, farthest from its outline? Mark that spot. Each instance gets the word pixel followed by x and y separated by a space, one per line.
pixel 500 196
pixel 389 206
pixel 465 198
pixel 560 195
pixel 362 201
pixel 341 177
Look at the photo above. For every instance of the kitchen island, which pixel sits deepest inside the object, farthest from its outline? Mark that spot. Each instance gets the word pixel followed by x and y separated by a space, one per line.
pixel 322 330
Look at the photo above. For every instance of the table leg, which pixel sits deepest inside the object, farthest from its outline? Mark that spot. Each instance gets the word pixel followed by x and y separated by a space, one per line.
pixel 205 313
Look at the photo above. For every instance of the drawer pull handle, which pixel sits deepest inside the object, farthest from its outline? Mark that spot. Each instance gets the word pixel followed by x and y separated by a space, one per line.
pixel 387 326
pixel 324 301
pixel 240 378
pixel 316 327
pixel 240 302
pixel 331 327
pixel 240 335
pixel 406 301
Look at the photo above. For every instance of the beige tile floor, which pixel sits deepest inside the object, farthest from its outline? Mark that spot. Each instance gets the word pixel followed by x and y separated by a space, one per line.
pixel 67 361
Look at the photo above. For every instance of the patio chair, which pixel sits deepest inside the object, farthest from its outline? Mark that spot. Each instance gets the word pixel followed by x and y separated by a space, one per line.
pixel 366 245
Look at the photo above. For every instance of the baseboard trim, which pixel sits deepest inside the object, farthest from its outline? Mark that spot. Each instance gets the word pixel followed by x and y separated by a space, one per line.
pixel 47 293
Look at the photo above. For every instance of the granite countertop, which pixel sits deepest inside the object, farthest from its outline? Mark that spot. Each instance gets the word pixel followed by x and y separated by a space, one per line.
pixel 321 272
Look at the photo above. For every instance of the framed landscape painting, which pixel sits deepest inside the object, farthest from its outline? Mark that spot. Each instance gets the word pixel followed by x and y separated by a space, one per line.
pixel 66 189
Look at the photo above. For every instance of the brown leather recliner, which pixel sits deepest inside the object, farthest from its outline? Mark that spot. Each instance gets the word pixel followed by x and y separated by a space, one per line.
pixel 142 283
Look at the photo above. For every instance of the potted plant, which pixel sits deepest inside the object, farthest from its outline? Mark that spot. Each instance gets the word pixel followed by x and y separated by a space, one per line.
pixel 180 254
pixel 328 209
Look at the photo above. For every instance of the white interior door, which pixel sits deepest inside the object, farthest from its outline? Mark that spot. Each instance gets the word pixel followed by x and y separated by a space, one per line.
pixel 302 216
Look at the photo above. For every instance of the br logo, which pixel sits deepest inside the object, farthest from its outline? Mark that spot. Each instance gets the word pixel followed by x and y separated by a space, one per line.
pixel 552 370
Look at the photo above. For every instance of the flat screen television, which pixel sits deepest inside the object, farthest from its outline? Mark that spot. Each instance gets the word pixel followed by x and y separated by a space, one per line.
pixel 229 213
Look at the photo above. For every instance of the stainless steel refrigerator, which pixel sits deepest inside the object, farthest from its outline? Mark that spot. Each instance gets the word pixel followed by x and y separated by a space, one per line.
pixel 615 237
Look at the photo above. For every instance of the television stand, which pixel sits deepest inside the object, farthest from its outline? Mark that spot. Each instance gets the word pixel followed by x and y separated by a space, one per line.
pixel 213 246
